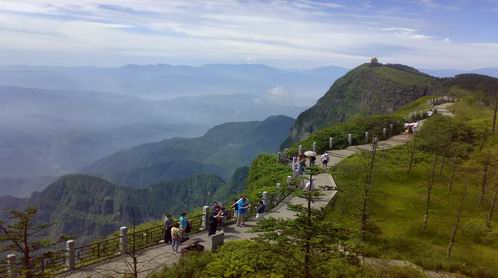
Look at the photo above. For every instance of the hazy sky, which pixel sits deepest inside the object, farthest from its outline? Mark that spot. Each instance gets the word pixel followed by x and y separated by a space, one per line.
pixel 300 34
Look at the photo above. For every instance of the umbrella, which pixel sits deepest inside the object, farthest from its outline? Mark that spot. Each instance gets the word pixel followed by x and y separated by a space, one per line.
pixel 310 153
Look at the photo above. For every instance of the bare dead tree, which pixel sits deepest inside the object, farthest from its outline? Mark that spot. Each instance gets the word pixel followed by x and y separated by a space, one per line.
pixel 493 130
pixel 493 206
pixel 457 220
pixel 430 184
pixel 412 155
pixel 484 180
pixel 453 171
pixel 443 160
pixel 366 196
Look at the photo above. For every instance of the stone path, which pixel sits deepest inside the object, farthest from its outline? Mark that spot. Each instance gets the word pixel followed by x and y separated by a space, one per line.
pixel 156 257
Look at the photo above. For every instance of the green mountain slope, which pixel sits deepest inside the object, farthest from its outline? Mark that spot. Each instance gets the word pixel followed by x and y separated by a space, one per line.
pixel 380 89
pixel 367 89
pixel 87 207
pixel 220 151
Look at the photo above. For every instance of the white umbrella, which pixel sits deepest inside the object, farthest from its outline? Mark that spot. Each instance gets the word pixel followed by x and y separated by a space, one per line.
pixel 310 153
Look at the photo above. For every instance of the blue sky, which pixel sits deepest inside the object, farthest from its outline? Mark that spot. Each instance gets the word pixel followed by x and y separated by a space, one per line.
pixel 461 34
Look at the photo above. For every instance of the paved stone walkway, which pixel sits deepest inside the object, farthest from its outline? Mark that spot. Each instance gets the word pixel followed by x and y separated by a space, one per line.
pixel 156 257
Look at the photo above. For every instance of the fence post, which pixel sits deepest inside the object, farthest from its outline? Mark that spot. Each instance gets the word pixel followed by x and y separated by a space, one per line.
pixel 384 131
pixel 350 139
pixel 331 143
pixel 289 179
pixel 391 126
pixel 314 146
pixel 205 216
pixel 366 136
pixel 70 253
pixel 11 266
pixel 300 149
pixel 123 240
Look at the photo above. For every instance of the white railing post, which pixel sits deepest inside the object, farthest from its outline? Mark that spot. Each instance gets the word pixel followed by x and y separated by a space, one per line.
pixel 314 146
pixel 366 136
pixel 205 217
pixel 300 149
pixel 331 143
pixel 11 266
pixel 384 131
pixel 70 254
pixel 123 240
pixel 350 139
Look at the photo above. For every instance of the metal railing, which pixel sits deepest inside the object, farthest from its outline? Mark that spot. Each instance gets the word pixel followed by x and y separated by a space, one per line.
pixel 97 251
pixel 60 259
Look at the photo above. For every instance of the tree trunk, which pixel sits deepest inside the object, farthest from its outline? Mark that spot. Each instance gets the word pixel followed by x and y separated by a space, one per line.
pixel 368 184
pixel 493 131
pixel 412 156
pixel 492 209
pixel 307 246
pixel 429 191
pixel 27 252
pixel 457 222
pixel 442 165
pixel 484 182
pixel 452 176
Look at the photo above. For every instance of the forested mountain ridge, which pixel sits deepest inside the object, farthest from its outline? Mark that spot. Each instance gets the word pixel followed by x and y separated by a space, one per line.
pixel 220 151
pixel 87 207
pixel 375 88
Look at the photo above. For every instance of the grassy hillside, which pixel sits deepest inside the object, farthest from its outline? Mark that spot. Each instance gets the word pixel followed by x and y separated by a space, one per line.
pixel 381 89
pixel 398 200
pixel 366 90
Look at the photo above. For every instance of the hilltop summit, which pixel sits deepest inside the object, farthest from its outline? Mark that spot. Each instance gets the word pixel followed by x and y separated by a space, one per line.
pixel 364 90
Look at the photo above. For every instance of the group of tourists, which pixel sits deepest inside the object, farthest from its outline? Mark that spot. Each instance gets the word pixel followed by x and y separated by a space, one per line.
pixel 176 232
pixel 300 163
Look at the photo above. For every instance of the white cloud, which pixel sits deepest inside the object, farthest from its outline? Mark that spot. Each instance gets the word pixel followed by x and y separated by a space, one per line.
pixel 275 32
pixel 278 91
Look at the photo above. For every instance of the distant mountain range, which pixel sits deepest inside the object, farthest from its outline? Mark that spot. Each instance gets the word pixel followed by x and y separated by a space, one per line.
pixel 181 173
pixel 220 151
pixel 452 72
pixel 168 81
pixel 55 120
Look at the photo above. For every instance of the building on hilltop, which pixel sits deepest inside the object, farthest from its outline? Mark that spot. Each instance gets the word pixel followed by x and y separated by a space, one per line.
pixel 374 62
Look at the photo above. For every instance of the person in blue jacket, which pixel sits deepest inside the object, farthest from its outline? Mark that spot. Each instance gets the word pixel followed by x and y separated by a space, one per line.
pixel 242 205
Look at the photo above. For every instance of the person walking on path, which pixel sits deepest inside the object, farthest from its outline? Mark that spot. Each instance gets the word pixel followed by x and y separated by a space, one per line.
pixel 312 160
pixel 176 237
pixel 242 205
pixel 302 164
pixel 183 224
pixel 260 211
pixel 325 160
pixel 168 224
pixel 213 221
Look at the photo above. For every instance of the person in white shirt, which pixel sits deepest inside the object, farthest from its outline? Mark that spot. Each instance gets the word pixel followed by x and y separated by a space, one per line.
pixel 325 160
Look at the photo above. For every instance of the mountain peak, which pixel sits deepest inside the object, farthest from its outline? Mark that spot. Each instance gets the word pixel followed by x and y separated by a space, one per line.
pixel 371 88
